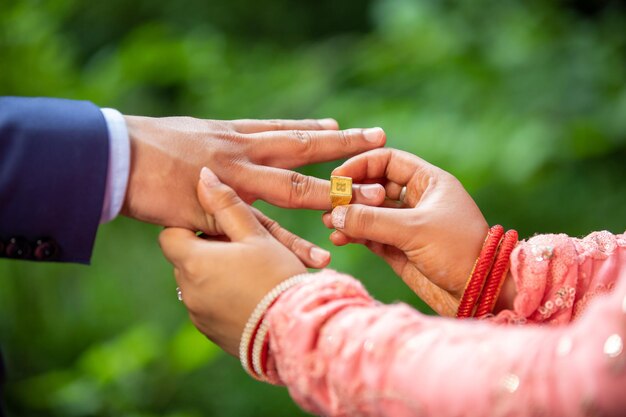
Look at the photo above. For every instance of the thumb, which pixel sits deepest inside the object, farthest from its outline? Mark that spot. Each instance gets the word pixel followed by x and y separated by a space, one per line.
pixel 231 214
pixel 378 224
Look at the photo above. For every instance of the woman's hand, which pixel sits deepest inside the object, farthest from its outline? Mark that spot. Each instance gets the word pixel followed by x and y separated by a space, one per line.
pixel 223 281
pixel 431 239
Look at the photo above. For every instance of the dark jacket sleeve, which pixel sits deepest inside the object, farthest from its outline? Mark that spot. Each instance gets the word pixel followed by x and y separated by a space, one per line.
pixel 53 167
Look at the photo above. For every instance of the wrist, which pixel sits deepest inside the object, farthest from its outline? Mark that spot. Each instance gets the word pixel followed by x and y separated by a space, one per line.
pixel 507 295
pixel 150 195
pixel 253 346
pixel 491 270
pixel 132 126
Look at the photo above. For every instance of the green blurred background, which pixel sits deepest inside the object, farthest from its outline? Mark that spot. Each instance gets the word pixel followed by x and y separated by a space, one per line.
pixel 524 101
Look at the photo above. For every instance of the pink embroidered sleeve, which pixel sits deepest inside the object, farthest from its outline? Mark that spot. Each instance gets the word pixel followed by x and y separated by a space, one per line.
pixel 340 353
pixel 556 276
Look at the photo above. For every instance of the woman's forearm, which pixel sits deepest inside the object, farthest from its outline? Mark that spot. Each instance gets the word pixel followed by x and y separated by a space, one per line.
pixel 341 353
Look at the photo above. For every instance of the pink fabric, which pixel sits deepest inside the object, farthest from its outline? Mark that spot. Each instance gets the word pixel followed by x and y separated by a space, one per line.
pixel 341 353
pixel 556 276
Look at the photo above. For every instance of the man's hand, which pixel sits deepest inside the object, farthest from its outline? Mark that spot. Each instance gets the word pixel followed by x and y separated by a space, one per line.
pixel 254 157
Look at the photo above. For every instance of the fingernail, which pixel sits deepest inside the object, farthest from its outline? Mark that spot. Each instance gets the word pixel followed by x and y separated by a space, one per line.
pixel 338 217
pixel 370 191
pixel 328 123
pixel 374 134
pixel 319 255
pixel 208 177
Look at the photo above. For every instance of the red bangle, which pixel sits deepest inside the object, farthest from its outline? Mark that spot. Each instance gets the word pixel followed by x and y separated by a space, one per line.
pixel 489 296
pixel 481 269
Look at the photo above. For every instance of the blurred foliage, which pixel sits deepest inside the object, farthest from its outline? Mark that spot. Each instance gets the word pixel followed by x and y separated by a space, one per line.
pixel 523 100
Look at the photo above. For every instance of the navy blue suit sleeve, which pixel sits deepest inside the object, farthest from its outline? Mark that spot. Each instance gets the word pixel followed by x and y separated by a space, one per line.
pixel 53 167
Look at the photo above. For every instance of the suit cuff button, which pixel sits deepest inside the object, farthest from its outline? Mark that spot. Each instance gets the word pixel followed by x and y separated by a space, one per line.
pixel 18 248
pixel 47 250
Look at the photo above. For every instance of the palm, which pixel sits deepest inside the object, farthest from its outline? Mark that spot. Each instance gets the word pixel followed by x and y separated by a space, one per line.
pixel 432 239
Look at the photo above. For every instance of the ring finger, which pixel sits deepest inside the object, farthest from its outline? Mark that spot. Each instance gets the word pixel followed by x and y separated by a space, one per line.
pixel 290 189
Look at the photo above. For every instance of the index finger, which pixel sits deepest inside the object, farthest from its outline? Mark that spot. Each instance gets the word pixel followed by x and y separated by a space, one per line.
pixel 177 244
pixel 391 164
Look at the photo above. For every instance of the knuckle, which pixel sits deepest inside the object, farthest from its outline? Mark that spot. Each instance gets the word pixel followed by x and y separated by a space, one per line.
pixel 305 140
pixel 358 218
pixel 291 241
pixel 211 226
pixel 232 136
pixel 346 137
pixel 276 124
pixel 229 134
pixel 271 225
pixel 299 246
pixel 233 125
pixel 299 186
pixel 221 126
pixel 229 162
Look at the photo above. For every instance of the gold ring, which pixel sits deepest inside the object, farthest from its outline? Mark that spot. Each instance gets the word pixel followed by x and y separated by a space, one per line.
pixel 340 190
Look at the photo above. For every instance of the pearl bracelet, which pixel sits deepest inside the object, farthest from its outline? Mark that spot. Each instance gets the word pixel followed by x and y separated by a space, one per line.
pixel 252 329
pixel 257 349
